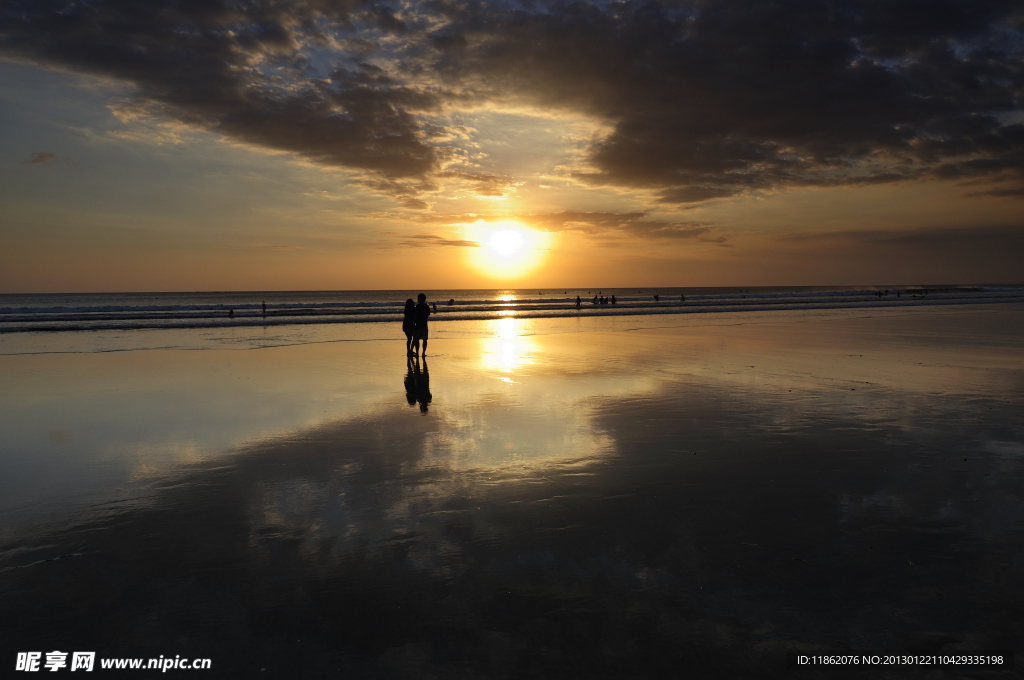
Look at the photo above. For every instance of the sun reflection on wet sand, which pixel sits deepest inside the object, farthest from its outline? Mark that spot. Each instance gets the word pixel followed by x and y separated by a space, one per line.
pixel 511 348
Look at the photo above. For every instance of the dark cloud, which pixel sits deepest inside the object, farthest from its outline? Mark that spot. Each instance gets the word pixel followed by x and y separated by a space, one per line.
pixel 711 99
pixel 631 224
pixel 946 238
pixel 41 158
pixel 435 240
pixel 240 68
pixel 707 99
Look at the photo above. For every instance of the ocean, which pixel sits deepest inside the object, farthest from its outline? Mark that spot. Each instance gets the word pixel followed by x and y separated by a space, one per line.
pixel 133 311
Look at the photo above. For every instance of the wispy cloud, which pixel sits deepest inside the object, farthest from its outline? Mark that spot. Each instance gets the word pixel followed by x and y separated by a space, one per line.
pixel 40 158
pixel 629 225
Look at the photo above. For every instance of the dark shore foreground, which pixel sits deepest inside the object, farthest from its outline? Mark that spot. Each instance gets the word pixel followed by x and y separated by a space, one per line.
pixel 693 501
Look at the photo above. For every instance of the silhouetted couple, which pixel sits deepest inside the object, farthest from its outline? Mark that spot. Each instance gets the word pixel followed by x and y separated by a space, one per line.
pixel 414 325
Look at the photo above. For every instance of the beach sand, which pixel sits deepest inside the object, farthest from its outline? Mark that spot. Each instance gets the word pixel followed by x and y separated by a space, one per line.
pixel 578 499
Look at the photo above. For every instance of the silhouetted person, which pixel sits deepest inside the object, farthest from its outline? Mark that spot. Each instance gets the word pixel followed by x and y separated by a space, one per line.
pixel 595 299
pixel 421 313
pixel 613 299
pixel 409 324
pixel 423 395
pixel 435 306
pixel 682 298
pixel 451 302
pixel 655 297
pixel 231 314
pixel 264 308
pixel 578 301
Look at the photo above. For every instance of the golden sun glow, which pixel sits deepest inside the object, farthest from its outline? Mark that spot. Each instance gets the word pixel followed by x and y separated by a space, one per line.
pixel 507 250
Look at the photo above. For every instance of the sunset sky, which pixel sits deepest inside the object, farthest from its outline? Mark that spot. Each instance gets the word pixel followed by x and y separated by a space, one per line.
pixel 338 144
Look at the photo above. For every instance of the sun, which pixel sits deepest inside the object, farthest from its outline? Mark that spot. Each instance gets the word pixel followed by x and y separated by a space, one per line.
pixel 507 250
pixel 506 242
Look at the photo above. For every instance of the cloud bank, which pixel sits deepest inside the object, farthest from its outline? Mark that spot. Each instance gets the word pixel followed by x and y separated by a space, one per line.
pixel 704 99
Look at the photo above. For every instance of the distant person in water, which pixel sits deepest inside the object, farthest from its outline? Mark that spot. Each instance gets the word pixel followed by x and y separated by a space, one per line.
pixel 264 308
pixel 578 301
pixel 231 313
pixel 613 299
pixel 655 297
pixel 682 298
pixel 421 313
pixel 409 324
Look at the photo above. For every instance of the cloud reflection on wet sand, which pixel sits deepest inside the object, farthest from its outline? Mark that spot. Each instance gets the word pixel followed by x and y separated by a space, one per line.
pixel 631 505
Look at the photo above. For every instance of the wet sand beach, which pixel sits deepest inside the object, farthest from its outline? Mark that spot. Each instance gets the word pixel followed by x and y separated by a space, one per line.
pixel 638 497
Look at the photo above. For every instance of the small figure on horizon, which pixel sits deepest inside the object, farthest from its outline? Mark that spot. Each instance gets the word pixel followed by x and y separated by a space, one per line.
pixel 421 313
pixel 409 325
pixel 578 301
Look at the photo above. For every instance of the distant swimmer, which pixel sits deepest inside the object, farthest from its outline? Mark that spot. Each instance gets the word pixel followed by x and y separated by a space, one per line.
pixel 264 308
pixel 656 297
pixel 682 298
pixel 409 325
pixel 451 302
pixel 578 301
pixel 231 313
pixel 613 299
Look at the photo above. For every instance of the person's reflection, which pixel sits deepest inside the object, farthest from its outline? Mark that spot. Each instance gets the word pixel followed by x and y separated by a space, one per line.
pixel 410 381
pixel 423 395
pixel 417 383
